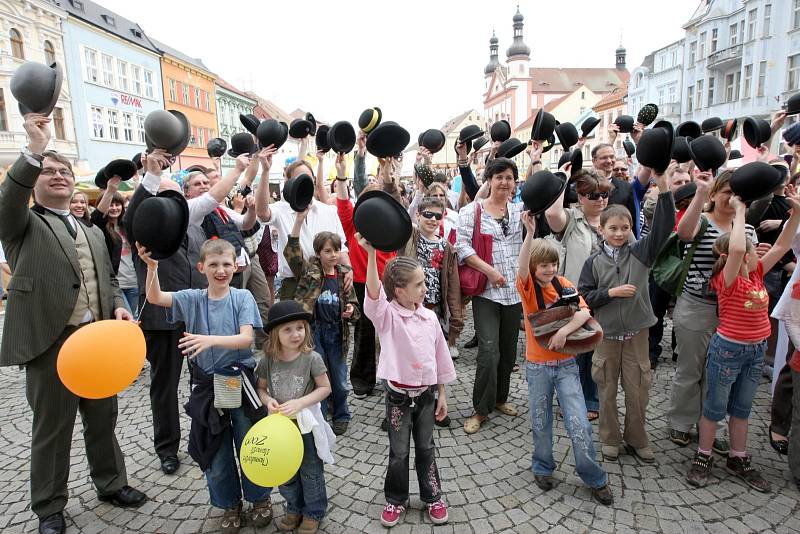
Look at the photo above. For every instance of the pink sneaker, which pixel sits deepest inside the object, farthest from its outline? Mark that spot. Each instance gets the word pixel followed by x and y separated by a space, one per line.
pixel 391 514
pixel 438 512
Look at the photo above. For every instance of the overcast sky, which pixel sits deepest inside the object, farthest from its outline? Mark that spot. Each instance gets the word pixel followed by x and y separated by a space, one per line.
pixel 420 61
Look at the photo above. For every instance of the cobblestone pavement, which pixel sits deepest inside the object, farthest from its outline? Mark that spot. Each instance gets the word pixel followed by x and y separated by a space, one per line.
pixel 486 477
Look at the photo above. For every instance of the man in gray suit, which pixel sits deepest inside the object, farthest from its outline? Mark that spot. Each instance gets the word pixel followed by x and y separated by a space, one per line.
pixel 63 279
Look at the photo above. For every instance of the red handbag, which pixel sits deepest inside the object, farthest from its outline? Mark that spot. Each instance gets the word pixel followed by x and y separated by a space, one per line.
pixel 473 281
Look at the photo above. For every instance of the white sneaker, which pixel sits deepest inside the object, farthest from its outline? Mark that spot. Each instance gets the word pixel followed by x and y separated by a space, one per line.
pixel 453 353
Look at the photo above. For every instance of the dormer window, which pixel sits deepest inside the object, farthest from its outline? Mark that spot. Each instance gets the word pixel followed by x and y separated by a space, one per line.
pixel 136 33
pixel 77 4
pixel 108 19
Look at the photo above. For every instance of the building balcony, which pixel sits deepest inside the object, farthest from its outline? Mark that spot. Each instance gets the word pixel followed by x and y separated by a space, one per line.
pixel 723 59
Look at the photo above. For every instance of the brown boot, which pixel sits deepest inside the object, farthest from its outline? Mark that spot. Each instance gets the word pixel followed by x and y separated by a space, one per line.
pixel 309 526
pixel 290 521
pixel 232 520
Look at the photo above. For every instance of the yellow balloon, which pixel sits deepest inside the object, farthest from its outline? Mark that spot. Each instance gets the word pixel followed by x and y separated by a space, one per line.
pixel 101 359
pixel 272 451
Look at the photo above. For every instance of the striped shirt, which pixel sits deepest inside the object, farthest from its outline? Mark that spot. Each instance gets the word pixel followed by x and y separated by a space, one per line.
pixel 743 314
pixel 699 273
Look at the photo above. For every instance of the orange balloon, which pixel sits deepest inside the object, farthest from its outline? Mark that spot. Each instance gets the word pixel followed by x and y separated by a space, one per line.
pixel 101 359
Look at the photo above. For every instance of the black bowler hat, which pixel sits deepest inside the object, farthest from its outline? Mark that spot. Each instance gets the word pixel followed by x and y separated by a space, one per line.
pixel 382 221
pixel 216 147
pixel 124 168
pixel 707 153
pixel 729 129
pixel 242 143
pixel 272 132
pixel 389 139
pixel 655 148
pixel 322 138
pixel 543 126
pixel 250 122
pixel 735 154
pixel 167 129
pixel 689 129
pixel 548 143
pixel 630 148
pixel 711 124
pixel 625 123
pixel 567 134
pixel 470 133
pixel 685 191
pixel 37 87
pixel 432 139
pixel 588 125
pixel 310 118
pixel 647 114
pixel 468 144
pixel 756 131
pixel 137 160
pixel 284 312
pixel 479 143
pixel 342 137
pixel 300 128
pixel 160 223
pixel 541 190
pixel 680 150
pixel 793 105
pixel 755 180
pixel 500 131
pixel 510 148
pixel 575 157
pixel 299 192
pixel 369 119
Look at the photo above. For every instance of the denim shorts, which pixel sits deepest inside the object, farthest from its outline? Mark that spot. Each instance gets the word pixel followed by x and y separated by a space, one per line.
pixel 733 371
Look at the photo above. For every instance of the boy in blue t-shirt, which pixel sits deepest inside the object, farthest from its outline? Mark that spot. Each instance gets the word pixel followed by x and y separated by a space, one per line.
pixel 218 338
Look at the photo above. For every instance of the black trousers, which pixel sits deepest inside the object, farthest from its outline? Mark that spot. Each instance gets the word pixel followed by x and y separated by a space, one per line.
pixel 781 411
pixel 54 408
pixel 659 300
pixel 166 364
pixel 363 366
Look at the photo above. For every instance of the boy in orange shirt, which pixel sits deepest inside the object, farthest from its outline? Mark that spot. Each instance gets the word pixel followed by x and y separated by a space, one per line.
pixel 548 369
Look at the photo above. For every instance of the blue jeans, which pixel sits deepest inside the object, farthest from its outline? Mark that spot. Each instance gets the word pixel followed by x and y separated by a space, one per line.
pixel 131 295
pixel 588 385
pixel 224 484
pixel 563 378
pixel 305 493
pixel 328 343
pixel 733 371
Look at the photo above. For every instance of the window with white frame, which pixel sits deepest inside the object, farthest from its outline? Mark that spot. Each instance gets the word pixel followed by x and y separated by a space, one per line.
pixel 762 78
pixel 714 40
pixel 98 122
pixel 671 93
pixel 136 79
pixel 734 35
pixel 752 17
pixel 729 87
pixel 702 41
pixel 149 89
pixel 710 92
pixel 197 103
pixel 796 14
pixel 741 31
pixel 692 52
pixel 122 75
pixel 748 79
pixel 185 94
pixel 108 71
pixel 90 62
pixel 737 85
pixel 113 124
pixel 3 118
pixel 793 74
pixel 173 91
pixel 140 129
pixel 767 20
pixel 660 96
pixel 689 98
pixel 49 53
pixel 127 127
pixel 207 101
pixel 699 99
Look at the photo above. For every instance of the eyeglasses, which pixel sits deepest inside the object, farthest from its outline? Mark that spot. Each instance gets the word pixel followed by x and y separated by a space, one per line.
pixel 432 215
pixel 597 195
pixel 620 169
pixel 49 171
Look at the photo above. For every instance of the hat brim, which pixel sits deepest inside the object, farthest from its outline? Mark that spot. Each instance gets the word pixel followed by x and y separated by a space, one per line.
pixel 124 168
pixel 550 202
pixel 592 124
pixel 288 318
pixel 249 124
pixel 471 137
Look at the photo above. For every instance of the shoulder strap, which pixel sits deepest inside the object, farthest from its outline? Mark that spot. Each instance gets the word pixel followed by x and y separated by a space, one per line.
pixel 557 284
pixel 476 228
pixel 540 296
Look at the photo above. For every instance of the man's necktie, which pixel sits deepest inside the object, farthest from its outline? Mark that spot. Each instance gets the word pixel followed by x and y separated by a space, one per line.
pixel 222 214
pixel 71 229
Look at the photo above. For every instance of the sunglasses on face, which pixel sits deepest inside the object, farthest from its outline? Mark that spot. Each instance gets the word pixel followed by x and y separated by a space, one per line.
pixel 432 215
pixel 620 169
pixel 597 195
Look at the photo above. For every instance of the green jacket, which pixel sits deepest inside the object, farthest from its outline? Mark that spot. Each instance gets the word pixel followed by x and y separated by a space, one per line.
pixel 310 278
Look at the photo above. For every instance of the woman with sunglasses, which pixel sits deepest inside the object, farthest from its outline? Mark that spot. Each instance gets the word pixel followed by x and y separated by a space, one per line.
pixel 578 230
pixel 497 310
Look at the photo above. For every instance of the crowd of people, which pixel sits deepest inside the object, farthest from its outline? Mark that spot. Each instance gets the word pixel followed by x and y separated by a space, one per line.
pixel 576 275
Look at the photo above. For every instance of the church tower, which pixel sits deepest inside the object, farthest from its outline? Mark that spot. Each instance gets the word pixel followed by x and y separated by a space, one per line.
pixel 519 57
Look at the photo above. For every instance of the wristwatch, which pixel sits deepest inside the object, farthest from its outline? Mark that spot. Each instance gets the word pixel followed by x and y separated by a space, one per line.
pixel 38 158
pixel 342 179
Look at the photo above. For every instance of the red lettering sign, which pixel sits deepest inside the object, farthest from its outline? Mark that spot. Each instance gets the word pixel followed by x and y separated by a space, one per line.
pixel 130 100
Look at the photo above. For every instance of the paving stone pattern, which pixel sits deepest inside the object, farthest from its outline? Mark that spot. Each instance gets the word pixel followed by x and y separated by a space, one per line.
pixel 486 477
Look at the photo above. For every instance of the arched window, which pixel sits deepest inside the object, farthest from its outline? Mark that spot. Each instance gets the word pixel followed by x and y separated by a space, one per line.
pixel 17 49
pixel 49 53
